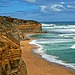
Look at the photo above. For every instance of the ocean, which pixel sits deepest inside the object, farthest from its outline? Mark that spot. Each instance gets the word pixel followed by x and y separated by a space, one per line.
pixel 58 45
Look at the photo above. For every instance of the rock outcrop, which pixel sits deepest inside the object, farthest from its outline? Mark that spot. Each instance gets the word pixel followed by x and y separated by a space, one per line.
pixel 11 33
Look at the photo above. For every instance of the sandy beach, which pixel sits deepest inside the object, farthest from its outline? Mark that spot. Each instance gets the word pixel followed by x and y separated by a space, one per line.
pixel 37 66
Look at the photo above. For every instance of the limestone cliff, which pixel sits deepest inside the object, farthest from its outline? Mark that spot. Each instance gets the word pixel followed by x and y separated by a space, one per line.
pixel 11 32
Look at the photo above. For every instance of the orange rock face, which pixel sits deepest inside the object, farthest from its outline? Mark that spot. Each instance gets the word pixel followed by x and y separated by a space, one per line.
pixel 11 33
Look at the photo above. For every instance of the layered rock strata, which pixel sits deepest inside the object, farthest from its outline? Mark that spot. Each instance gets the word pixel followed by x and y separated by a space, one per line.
pixel 11 33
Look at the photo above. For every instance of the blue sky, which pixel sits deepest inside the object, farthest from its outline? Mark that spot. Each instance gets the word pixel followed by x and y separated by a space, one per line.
pixel 39 10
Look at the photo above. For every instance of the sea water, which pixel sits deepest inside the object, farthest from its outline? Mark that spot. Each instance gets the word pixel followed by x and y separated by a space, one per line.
pixel 58 45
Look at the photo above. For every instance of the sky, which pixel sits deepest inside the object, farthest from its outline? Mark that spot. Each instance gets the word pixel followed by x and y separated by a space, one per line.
pixel 39 10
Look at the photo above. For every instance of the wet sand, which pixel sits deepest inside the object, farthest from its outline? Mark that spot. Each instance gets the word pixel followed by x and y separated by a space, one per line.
pixel 37 66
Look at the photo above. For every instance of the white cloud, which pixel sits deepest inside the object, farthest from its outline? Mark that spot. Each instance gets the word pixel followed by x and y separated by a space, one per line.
pixel 43 7
pixel 30 0
pixel 54 7
pixel 62 2
pixel 69 6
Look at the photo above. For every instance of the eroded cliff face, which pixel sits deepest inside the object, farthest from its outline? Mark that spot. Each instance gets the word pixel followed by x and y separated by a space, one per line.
pixel 11 33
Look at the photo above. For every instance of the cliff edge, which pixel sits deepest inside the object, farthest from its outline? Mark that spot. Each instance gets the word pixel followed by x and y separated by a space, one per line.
pixel 11 33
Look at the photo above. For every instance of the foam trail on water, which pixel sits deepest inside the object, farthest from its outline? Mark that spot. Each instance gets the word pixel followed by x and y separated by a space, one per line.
pixel 54 41
pixel 54 59
pixel 39 50
pixel 50 58
pixel 73 37
pixel 73 47
pixel 60 35
pixel 48 24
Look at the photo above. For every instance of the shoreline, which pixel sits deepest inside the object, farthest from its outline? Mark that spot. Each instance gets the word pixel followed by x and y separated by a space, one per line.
pixel 30 54
pixel 52 63
pixel 39 56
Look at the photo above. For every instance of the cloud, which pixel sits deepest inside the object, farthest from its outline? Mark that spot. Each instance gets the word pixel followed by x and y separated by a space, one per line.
pixel 57 7
pixel 31 1
pixel 43 7
pixel 62 2
pixel 63 7
pixel 38 9
pixel 69 6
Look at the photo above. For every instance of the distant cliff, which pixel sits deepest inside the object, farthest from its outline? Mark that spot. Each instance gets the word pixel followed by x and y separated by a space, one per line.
pixel 11 33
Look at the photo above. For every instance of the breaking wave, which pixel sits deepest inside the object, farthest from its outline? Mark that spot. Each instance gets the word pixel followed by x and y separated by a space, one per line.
pixel 73 47
pixel 50 58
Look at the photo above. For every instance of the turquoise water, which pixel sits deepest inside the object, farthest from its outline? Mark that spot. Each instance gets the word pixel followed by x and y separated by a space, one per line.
pixel 58 45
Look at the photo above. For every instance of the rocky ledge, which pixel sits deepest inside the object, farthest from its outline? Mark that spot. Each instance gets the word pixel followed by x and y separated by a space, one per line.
pixel 11 33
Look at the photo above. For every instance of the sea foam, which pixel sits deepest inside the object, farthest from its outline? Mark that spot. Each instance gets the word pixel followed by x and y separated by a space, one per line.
pixel 43 24
pixel 68 31
pixel 54 59
pixel 40 48
pixel 73 47
pixel 50 58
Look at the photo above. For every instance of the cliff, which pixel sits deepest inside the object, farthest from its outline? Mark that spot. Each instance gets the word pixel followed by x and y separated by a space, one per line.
pixel 11 33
